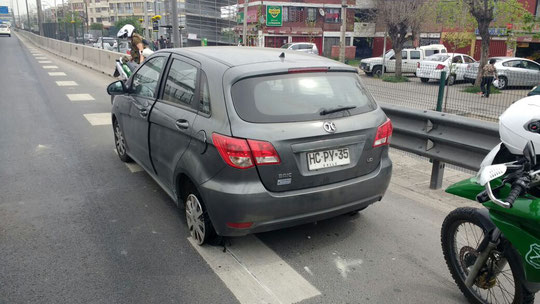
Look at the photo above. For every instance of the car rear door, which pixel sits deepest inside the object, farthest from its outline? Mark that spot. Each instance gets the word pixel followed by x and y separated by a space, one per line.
pixel 171 122
pixel 287 113
pixel 533 73
pixel 144 88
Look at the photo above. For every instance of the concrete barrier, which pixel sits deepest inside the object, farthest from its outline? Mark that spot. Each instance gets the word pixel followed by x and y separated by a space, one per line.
pixel 94 58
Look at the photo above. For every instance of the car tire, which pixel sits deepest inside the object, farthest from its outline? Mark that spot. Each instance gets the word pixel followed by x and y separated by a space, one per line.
pixel 120 143
pixel 424 80
pixel 503 82
pixel 377 71
pixel 369 74
pixel 198 222
pixel 451 80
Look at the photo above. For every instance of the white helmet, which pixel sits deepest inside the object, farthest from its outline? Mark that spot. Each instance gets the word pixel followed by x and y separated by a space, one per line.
pixel 126 31
pixel 520 123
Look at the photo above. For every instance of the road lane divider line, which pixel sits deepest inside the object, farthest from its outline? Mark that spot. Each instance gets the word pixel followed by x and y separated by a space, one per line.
pixel 98 119
pixel 44 61
pixel 256 274
pixel 57 74
pixel 50 67
pixel 68 83
pixel 133 167
pixel 80 97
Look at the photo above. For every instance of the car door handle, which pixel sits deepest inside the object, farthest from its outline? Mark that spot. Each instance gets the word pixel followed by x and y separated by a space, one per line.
pixel 143 113
pixel 182 124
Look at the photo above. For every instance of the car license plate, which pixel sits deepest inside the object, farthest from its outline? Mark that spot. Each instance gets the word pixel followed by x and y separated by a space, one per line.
pixel 328 158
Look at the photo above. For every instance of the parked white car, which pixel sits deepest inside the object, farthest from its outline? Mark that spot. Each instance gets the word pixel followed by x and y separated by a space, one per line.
pixel 109 43
pixel 306 47
pixel 409 60
pixel 454 64
pixel 5 30
pixel 512 71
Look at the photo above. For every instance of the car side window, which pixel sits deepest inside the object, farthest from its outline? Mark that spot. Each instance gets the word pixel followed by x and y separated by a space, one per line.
pixel 468 59
pixel 530 66
pixel 457 59
pixel 415 54
pixel 204 106
pixel 403 55
pixel 513 64
pixel 181 83
pixel 146 79
pixel 295 47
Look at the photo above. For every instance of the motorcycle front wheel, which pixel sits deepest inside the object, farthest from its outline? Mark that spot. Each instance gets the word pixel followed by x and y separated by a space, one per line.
pixel 497 282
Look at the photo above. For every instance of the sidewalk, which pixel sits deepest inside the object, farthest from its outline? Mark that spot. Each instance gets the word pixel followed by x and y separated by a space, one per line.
pixel 411 176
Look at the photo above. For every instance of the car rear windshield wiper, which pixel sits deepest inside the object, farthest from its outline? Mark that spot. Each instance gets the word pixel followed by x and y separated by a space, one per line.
pixel 334 110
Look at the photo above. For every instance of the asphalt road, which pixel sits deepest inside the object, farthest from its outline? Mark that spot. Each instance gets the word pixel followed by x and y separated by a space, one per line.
pixel 79 226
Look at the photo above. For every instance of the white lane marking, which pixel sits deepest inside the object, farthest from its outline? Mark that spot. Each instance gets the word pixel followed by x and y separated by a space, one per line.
pixel 79 97
pixel 50 67
pixel 57 74
pixel 44 61
pixel 133 167
pixel 39 57
pixel 68 83
pixel 98 119
pixel 256 274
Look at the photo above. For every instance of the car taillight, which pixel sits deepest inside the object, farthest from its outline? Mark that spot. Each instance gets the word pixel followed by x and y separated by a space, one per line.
pixel 384 133
pixel 418 64
pixel 440 67
pixel 128 52
pixel 263 152
pixel 243 154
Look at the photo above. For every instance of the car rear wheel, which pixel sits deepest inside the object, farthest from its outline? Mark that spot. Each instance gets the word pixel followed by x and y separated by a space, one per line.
pixel 197 219
pixel 503 82
pixel 120 143
pixel 424 80
pixel 451 80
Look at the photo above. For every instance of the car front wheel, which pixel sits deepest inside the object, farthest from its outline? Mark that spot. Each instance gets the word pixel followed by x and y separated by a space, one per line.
pixel 120 143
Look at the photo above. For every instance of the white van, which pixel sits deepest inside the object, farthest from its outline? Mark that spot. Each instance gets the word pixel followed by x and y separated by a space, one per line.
pixel 409 62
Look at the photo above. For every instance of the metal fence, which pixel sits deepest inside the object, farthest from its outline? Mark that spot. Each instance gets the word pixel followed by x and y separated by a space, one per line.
pixel 461 96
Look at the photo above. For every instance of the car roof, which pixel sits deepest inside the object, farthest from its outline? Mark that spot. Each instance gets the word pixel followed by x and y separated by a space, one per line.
pixel 233 56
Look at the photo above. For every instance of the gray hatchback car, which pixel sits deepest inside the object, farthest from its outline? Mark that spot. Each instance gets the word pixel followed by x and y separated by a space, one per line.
pixel 253 139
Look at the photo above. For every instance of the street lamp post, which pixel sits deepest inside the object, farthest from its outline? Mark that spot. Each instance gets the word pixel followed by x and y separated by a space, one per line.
pixel 40 17
pixel 28 15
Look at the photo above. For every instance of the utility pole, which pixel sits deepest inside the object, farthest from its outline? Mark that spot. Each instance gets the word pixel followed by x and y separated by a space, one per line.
pixel 18 14
pixel 384 54
pixel 40 17
pixel 145 23
pixel 28 15
pixel 86 17
pixel 343 29
pixel 175 29
pixel 244 31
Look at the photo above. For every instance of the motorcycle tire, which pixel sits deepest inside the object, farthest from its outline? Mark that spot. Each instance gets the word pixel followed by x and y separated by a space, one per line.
pixel 449 230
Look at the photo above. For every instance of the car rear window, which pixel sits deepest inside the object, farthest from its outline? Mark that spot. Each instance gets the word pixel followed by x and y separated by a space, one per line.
pixel 299 96
pixel 3 25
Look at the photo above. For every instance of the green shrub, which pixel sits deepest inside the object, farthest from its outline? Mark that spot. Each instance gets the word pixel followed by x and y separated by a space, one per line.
pixel 475 90
pixel 395 79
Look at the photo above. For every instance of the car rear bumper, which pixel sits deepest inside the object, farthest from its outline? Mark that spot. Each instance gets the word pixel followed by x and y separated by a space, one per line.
pixel 233 201
pixel 430 74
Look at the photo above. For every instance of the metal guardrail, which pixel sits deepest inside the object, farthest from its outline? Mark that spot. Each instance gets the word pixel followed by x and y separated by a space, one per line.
pixel 442 137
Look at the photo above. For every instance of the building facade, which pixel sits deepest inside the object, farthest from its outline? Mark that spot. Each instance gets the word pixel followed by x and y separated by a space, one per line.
pixel 275 23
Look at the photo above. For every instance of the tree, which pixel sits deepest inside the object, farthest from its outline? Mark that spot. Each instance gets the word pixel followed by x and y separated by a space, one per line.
pixel 402 19
pixel 96 26
pixel 480 14
pixel 130 20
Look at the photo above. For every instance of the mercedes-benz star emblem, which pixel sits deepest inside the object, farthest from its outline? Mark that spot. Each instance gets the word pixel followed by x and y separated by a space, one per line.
pixel 329 127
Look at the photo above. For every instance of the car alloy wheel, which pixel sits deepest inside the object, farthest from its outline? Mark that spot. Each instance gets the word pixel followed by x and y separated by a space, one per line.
pixel 196 219
pixel 120 143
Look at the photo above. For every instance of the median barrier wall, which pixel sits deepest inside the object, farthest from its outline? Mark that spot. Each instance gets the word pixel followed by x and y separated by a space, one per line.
pixel 94 58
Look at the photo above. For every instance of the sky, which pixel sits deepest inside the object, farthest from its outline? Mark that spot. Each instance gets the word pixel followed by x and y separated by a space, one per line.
pixel 31 4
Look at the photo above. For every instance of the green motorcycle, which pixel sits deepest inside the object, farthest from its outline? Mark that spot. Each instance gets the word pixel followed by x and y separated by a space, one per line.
pixel 494 253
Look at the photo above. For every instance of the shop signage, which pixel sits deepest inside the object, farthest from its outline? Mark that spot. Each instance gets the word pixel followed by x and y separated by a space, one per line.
pixel 274 15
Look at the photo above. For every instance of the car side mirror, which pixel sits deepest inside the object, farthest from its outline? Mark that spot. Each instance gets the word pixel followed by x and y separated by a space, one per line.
pixel 530 153
pixel 117 88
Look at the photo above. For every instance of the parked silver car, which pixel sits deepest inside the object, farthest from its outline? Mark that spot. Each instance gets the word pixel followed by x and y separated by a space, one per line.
pixel 512 71
pixel 306 47
pixel 251 141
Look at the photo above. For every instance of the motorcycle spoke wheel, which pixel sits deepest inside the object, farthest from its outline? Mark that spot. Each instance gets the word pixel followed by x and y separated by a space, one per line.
pixel 461 235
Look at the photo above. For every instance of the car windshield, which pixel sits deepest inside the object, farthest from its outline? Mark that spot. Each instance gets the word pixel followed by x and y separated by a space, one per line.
pixel 438 57
pixel 299 96
pixel 286 46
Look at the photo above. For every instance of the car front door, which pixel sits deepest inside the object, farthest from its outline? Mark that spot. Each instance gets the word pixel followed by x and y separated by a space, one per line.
pixel 514 72
pixel 414 59
pixel 171 122
pixel 533 73
pixel 143 93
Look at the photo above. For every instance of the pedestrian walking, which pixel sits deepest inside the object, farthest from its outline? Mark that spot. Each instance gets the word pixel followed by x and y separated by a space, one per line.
pixel 162 42
pixel 489 74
